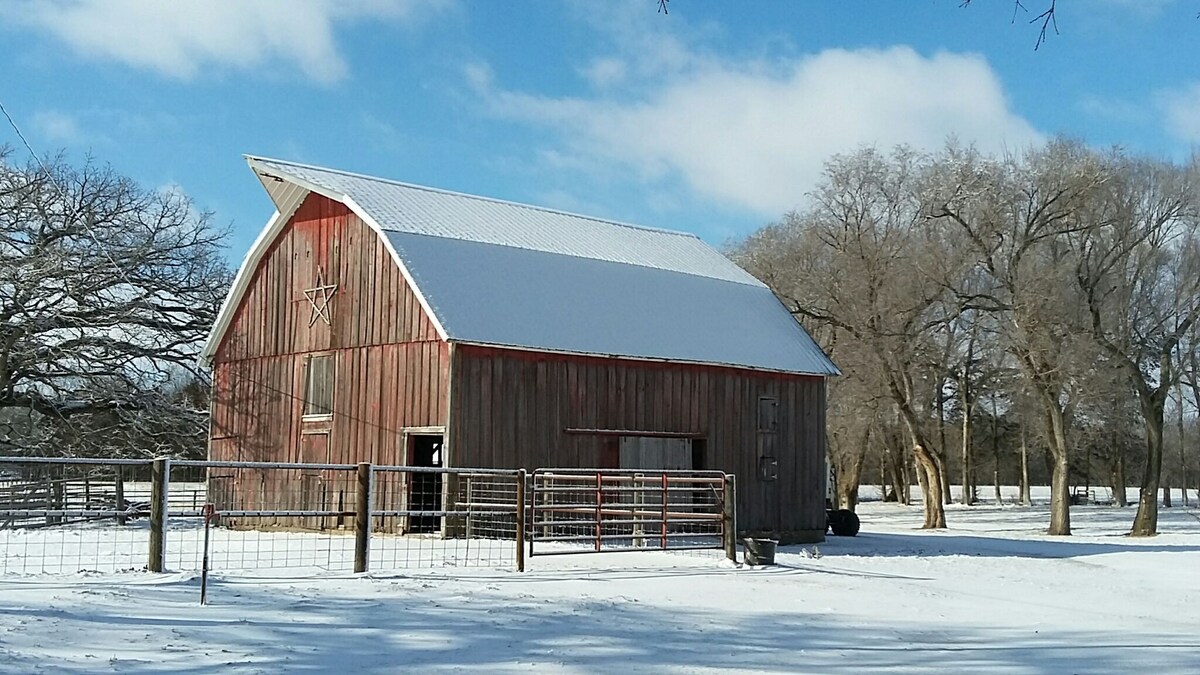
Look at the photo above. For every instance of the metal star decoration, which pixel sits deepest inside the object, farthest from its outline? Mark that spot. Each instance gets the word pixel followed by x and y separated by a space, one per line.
pixel 319 297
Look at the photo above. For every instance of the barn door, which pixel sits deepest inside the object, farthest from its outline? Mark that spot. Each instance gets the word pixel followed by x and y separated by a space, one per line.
pixel 425 488
pixel 314 449
pixel 644 452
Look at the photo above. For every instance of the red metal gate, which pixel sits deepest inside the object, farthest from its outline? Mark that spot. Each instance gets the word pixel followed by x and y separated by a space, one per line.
pixel 603 510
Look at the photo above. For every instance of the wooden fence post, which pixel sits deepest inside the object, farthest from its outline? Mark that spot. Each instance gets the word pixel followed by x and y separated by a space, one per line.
pixel 159 475
pixel 362 518
pixel 729 517
pixel 520 520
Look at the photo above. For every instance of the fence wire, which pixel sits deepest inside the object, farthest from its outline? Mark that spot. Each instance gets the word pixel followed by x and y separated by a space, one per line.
pixel 427 517
pixel 77 515
pixel 268 516
pixel 67 516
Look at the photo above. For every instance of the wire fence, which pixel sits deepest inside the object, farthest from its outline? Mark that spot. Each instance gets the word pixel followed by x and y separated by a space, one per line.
pixel 71 515
pixel 84 515
pixel 436 516
pixel 268 516
pixel 105 515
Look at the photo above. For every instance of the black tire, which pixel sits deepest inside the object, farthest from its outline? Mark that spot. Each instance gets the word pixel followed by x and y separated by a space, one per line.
pixel 843 523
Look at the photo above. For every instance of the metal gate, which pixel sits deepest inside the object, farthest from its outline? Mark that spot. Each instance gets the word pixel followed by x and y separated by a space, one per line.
pixel 604 510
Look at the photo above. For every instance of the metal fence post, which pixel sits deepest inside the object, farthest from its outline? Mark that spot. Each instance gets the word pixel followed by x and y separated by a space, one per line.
pixel 59 500
pixel 520 520
pixel 729 517
pixel 362 518
pixel 159 475
pixel 119 489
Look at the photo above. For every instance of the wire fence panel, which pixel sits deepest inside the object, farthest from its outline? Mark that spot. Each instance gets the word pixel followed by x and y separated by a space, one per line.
pixel 440 517
pixel 268 516
pixel 594 511
pixel 67 516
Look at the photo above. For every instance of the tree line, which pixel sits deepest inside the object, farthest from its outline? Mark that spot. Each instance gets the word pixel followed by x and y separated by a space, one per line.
pixel 1034 313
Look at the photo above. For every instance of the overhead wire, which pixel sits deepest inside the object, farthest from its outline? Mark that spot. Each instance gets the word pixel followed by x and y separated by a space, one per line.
pixel 121 273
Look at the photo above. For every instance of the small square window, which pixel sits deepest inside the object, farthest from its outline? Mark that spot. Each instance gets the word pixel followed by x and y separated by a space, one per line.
pixel 318 386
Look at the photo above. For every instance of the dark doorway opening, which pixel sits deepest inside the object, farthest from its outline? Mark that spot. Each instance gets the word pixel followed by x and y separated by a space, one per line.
pixel 425 488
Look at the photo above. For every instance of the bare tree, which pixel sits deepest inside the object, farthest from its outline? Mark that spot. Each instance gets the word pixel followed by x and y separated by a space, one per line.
pixel 854 263
pixel 1139 271
pixel 1015 213
pixel 107 291
pixel 1047 18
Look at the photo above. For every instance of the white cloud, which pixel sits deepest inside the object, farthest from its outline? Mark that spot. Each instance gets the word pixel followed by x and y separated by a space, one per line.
pixel 57 127
pixel 1181 112
pixel 181 38
pixel 756 135
pixel 605 72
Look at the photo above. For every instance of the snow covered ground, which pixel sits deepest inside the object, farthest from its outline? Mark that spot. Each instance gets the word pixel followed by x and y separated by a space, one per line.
pixel 991 594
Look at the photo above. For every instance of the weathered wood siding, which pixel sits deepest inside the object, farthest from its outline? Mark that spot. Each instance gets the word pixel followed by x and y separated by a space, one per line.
pixel 510 408
pixel 514 409
pixel 391 368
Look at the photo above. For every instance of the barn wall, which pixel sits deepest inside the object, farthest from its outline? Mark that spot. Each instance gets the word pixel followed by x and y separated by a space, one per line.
pixel 391 368
pixel 513 409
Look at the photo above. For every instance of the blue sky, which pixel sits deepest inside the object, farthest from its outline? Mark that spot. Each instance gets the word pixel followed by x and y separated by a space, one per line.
pixel 714 119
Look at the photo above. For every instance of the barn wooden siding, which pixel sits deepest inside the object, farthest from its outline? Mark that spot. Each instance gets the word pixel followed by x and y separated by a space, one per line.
pixel 514 408
pixel 391 368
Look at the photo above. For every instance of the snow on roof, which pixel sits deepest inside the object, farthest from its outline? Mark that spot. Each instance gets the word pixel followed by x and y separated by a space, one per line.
pixel 499 273
pixel 588 306
pixel 400 207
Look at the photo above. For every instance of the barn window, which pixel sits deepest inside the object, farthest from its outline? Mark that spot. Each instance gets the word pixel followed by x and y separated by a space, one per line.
pixel 318 386
pixel 768 413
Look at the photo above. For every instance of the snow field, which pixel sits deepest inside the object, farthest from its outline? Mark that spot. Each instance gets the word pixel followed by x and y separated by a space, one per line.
pixel 991 594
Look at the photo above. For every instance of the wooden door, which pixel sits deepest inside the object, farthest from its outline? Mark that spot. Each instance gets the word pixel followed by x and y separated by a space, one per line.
pixel 314 449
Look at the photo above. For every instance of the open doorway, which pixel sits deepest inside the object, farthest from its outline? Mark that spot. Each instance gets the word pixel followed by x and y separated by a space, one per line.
pixel 425 488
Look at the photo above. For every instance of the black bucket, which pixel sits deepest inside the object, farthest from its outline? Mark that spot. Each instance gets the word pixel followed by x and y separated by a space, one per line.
pixel 759 551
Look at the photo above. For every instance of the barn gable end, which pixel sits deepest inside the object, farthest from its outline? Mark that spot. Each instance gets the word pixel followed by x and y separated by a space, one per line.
pixel 381 340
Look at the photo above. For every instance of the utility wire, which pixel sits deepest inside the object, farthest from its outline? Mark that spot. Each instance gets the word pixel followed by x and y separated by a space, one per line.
pixel 87 226
pixel 20 135
pixel 292 395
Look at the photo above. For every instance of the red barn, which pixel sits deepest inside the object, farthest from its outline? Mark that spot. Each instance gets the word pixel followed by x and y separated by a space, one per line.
pixel 379 321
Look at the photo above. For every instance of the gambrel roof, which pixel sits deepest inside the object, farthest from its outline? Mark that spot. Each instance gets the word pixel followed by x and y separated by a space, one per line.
pixel 497 273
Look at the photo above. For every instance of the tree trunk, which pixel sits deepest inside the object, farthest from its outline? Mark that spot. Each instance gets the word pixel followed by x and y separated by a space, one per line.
pixel 1166 490
pixel 1118 480
pixel 968 492
pixel 929 470
pixel 1195 386
pixel 941 408
pixel 850 474
pixel 935 512
pixel 1145 523
pixel 996 451
pixel 1183 467
pixel 895 469
pixel 1025 496
pixel 944 474
pixel 1060 478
